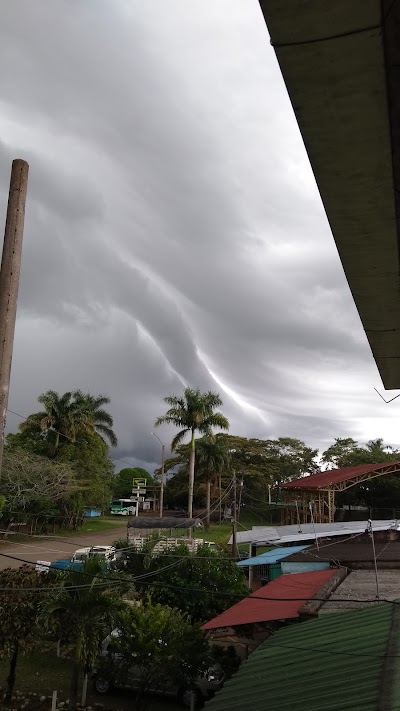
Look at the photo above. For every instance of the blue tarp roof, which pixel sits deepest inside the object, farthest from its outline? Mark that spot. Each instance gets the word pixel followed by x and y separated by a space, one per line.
pixel 271 557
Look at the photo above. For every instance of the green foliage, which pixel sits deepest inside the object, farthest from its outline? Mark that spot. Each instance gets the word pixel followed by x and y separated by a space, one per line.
pixel 82 611
pixel 383 492
pixel 122 482
pixel 69 432
pixel 214 582
pixel 19 607
pixel 66 416
pixel 161 645
pixel 36 485
pixel 260 462
pixel 94 469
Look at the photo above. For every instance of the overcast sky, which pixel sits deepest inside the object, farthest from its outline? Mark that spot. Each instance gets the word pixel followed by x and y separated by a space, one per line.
pixel 174 233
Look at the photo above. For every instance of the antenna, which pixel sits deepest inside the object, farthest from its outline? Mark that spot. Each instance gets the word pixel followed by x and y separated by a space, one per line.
pixel 371 533
pixel 386 401
pixel 298 517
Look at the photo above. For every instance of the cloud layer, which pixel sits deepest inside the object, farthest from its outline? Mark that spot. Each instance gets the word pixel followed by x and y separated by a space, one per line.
pixel 174 233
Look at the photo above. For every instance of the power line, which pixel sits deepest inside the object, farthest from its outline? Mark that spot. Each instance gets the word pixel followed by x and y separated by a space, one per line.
pixel 210 592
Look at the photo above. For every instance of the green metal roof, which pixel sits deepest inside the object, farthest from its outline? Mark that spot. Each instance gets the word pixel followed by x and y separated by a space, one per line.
pixel 334 663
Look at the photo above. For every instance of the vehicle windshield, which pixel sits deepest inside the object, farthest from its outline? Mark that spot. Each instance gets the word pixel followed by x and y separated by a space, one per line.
pixel 80 556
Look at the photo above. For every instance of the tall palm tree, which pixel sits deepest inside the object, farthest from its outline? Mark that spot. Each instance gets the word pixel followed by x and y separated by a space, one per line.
pixel 194 412
pixel 212 460
pixel 87 609
pixel 93 416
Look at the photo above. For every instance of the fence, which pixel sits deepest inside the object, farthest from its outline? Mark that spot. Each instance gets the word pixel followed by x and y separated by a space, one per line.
pixel 32 524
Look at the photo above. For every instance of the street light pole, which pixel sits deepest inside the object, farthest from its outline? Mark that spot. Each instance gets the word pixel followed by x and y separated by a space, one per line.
pixel 162 474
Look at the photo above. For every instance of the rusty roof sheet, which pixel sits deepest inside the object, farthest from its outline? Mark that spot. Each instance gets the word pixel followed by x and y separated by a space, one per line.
pixel 322 480
pixel 281 599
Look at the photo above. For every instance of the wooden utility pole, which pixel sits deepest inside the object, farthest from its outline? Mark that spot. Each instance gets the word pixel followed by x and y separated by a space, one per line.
pixel 9 281
pixel 234 518
pixel 162 482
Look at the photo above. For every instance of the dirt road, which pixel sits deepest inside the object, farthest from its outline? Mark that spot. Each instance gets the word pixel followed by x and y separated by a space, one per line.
pixel 50 549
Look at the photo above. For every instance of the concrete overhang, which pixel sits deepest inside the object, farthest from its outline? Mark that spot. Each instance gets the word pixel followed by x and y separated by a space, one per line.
pixel 340 60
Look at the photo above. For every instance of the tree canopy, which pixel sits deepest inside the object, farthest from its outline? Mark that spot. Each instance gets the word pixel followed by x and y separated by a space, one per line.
pixel 19 610
pixel 68 435
pixel 259 462
pixel 161 644
pixel 82 610
pixel 380 493
pixel 215 581
pixel 122 481
pixel 65 417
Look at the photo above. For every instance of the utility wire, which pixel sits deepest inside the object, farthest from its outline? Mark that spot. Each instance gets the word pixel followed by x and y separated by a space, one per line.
pixel 210 592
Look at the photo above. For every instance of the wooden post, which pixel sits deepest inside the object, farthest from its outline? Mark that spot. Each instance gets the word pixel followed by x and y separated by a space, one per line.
pixel 54 701
pixel 9 281
pixel 84 690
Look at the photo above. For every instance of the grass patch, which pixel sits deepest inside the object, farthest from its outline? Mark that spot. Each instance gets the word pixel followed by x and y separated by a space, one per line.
pixel 42 673
pixel 95 525
pixel 221 532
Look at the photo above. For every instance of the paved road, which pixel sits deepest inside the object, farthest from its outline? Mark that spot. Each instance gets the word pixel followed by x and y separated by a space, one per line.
pixel 50 549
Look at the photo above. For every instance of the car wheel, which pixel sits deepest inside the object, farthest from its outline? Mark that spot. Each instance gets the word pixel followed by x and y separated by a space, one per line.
pixel 101 685
pixel 185 697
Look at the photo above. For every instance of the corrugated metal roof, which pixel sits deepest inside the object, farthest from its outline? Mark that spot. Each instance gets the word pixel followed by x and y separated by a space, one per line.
pixel 349 552
pixel 290 534
pixel 333 663
pixel 322 480
pixel 281 600
pixel 270 557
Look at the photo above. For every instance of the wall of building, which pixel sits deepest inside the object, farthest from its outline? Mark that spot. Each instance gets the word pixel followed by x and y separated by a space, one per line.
pixel 305 567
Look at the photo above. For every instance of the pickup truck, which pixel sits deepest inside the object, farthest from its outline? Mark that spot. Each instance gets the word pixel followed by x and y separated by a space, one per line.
pixel 76 562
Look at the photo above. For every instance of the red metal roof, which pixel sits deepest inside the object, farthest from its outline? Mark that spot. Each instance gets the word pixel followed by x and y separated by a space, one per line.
pixel 279 601
pixel 322 480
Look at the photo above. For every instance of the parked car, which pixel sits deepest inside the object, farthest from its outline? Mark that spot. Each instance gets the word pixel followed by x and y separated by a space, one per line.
pixel 203 688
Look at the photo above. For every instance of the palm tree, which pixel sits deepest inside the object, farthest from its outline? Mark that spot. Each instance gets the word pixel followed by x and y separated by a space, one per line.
pixel 88 609
pixel 212 460
pixel 66 416
pixel 93 416
pixel 58 418
pixel 194 412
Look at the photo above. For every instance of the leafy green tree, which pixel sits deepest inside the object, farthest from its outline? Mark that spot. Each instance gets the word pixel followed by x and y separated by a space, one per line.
pixel 262 463
pixel 89 456
pixel 122 482
pixel 346 452
pixel 19 609
pixel 83 610
pixel 32 484
pixel 194 412
pixel 161 645
pixel 70 429
pixel 382 492
pixel 201 585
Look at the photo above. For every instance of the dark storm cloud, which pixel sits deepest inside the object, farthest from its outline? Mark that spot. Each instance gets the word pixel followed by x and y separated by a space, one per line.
pixel 174 233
